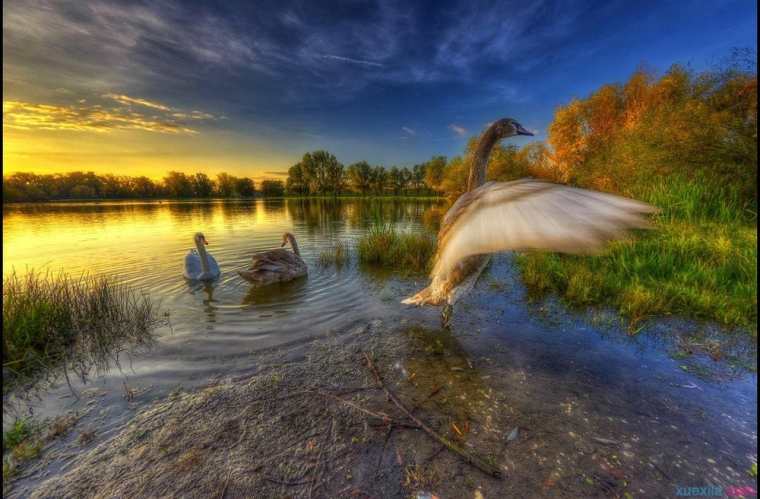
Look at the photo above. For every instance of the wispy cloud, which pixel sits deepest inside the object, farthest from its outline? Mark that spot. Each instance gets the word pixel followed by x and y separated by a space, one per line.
pixel 125 99
pixel 352 61
pixel 458 130
pixel 409 131
pixel 277 173
pixel 83 117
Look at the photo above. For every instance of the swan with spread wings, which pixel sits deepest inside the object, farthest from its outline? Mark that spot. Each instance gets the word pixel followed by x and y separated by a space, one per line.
pixel 526 214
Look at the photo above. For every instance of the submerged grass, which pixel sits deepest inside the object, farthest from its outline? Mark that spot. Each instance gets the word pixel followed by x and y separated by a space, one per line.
pixel 336 254
pixel 700 261
pixel 54 323
pixel 386 247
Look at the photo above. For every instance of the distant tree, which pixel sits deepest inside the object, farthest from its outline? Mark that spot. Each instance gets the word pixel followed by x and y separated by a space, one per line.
pixel 359 177
pixel 143 187
pixel 378 180
pixel 434 170
pixel 296 182
pixel 272 188
pixel 418 177
pixel 203 186
pixel 245 187
pixel 178 185
pixel 335 177
pixel 225 185
pixel 82 192
pixel 396 180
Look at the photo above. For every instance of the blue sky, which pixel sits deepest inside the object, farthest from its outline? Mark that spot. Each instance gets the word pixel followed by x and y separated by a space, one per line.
pixel 250 86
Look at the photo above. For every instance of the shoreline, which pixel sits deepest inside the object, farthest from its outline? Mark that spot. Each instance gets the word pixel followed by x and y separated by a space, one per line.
pixel 566 412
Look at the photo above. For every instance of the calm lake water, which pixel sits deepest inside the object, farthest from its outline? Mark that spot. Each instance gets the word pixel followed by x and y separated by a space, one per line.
pixel 144 245
pixel 695 417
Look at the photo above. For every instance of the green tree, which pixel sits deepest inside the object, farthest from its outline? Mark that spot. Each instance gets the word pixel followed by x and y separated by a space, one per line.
pixel 245 187
pixel 225 185
pixel 178 185
pixel 272 188
pixel 296 182
pixel 203 187
pixel 360 177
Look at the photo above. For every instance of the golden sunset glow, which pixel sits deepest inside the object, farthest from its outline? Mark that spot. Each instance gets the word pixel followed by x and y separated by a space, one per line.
pixel 122 134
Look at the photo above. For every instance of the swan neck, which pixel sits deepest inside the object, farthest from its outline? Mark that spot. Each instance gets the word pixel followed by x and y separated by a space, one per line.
pixel 479 159
pixel 294 245
pixel 203 256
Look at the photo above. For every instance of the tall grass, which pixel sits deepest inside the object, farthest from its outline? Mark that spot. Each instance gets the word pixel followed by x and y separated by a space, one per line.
pixel 54 323
pixel 384 246
pixel 700 261
pixel 335 254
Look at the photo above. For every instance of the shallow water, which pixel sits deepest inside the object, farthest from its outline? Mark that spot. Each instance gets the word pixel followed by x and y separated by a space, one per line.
pixel 144 245
pixel 567 375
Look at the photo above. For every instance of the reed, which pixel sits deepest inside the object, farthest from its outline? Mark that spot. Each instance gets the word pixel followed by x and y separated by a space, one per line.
pixel 335 254
pixel 55 323
pixel 386 247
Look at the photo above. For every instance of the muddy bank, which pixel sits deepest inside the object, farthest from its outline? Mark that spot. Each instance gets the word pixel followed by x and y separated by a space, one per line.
pixel 557 416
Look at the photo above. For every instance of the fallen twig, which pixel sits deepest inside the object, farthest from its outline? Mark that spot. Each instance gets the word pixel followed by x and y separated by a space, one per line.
pixel 287 483
pixel 380 415
pixel 471 459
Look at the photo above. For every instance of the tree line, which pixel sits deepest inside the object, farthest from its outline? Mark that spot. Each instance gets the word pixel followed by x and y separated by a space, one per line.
pixel 320 173
pixel 29 187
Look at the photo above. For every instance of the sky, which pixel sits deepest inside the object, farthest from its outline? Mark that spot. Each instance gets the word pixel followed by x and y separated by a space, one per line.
pixel 247 87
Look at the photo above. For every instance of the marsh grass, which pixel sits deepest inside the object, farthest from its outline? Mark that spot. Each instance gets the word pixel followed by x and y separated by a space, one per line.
pixel 336 254
pixel 55 323
pixel 384 246
pixel 700 261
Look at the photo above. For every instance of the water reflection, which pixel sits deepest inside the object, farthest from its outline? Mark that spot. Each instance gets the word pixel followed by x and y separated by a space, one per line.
pixel 144 244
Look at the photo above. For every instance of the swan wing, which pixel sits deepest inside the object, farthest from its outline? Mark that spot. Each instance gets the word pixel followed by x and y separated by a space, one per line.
pixel 192 265
pixel 531 214
pixel 213 266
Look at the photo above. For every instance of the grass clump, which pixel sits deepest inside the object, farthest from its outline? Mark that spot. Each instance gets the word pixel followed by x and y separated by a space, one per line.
pixel 335 254
pixel 386 247
pixel 700 261
pixel 54 323
pixel 20 443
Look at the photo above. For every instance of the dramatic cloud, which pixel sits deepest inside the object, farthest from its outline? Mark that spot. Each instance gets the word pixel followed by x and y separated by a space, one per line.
pixel 307 75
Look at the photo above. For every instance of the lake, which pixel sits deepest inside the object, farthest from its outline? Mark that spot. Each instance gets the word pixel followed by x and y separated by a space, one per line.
pixel 144 245
pixel 566 373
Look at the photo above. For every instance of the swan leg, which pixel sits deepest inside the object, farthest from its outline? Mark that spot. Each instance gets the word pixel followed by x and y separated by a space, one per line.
pixel 446 313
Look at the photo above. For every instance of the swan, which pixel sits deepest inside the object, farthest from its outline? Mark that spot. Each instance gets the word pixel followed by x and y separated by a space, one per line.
pixel 525 214
pixel 277 265
pixel 199 265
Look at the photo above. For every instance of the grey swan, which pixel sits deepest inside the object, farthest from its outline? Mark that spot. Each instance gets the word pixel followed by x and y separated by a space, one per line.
pixel 277 265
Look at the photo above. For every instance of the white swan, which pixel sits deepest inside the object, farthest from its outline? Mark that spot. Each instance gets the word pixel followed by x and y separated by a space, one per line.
pixel 199 265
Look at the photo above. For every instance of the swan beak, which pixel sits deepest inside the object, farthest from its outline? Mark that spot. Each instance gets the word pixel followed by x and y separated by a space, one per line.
pixel 523 131
pixel 205 241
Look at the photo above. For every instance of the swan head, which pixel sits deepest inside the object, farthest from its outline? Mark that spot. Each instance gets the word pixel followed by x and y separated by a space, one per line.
pixel 199 238
pixel 508 127
pixel 285 238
